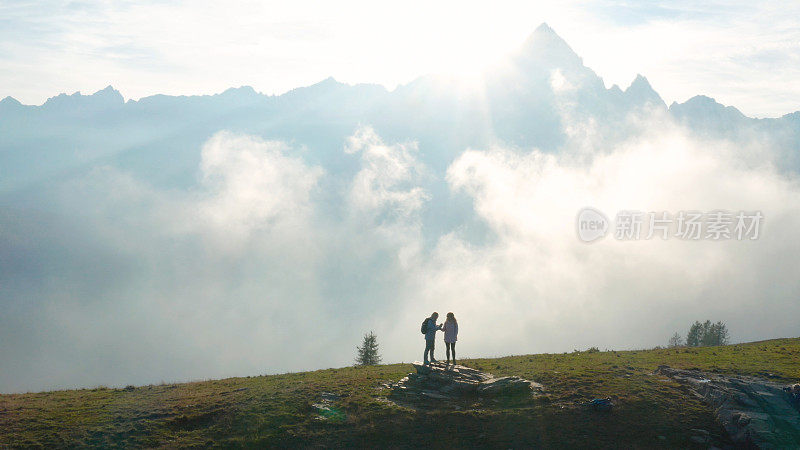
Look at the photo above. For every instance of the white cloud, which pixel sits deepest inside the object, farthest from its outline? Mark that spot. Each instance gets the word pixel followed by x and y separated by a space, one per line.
pixel 254 185
pixel 386 182
pixel 252 271
pixel 538 288
pixel 167 284
pixel 385 197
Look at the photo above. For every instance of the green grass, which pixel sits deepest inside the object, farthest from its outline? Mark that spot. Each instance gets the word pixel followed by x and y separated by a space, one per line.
pixel 276 410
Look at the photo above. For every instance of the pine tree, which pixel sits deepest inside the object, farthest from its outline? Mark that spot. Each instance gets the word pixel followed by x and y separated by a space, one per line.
pixel 367 353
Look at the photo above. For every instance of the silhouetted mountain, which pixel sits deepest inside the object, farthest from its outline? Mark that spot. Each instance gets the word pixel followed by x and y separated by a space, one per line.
pixel 523 104
pixel 101 101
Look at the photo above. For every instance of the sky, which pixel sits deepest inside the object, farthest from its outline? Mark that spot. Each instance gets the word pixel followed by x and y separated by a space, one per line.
pixel 745 54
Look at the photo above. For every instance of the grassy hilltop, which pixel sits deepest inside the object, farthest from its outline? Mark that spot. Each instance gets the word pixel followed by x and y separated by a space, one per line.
pixel 276 410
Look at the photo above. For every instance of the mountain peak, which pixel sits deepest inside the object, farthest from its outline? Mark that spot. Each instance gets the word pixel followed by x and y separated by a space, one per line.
pixel 544 45
pixel 641 91
pixel 705 103
pixel 544 28
pixel 792 116
pixel 9 104
pixel 328 81
pixel 61 98
pixel 702 100
pixel 544 35
pixel 10 101
pixel 241 96
pixel 240 91
pixel 110 94
pixel 705 106
pixel 107 97
pixel 640 84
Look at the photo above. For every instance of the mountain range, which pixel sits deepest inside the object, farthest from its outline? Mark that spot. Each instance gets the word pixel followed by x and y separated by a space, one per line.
pixel 522 104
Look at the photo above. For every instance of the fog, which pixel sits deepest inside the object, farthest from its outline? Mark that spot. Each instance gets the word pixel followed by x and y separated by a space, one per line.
pixel 248 274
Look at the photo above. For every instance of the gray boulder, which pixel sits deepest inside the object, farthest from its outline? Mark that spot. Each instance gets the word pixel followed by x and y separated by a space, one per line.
pixel 756 413
pixel 494 387
pixel 433 385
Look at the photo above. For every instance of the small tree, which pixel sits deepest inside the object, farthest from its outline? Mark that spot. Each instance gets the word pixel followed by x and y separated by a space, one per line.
pixel 717 334
pixel 675 341
pixel 367 353
pixel 694 335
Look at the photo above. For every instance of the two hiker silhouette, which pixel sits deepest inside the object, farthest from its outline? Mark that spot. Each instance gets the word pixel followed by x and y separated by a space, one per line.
pixel 429 329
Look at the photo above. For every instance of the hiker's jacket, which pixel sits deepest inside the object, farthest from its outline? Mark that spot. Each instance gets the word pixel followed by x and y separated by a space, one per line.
pixel 432 327
pixel 450 331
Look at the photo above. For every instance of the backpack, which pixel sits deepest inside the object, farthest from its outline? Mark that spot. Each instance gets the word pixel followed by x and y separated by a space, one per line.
pixel 424 327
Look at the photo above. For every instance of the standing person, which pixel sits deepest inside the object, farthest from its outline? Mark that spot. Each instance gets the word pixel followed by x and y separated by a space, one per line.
pixel 450 328
pixel 430 335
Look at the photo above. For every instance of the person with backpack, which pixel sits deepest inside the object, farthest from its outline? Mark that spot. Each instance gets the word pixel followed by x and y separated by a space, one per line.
pixel 450 328
pixel 429 329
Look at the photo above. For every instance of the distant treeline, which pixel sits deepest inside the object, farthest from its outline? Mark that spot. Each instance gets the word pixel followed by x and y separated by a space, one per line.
pixel 702 334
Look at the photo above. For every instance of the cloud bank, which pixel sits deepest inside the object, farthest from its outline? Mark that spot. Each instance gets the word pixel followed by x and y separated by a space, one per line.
pixel 271 264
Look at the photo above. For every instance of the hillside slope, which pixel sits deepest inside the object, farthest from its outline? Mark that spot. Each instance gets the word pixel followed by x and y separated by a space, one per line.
pixel 276 410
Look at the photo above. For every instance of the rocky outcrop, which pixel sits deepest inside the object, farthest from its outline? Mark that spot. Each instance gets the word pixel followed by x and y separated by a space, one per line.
pixel 756 413
pixel 438 381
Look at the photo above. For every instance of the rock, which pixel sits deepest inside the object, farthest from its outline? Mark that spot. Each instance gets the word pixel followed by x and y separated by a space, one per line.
pixel 435 384
pixel 740 419
pixel 421 368
pixel 755 412
pixel 746 401
pixel 505 386
pixel 434 395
